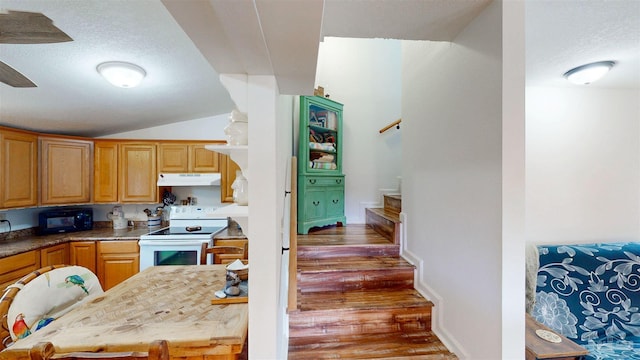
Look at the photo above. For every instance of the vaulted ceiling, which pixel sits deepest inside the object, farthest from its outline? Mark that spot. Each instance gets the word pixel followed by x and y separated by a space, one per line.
pixel 185 45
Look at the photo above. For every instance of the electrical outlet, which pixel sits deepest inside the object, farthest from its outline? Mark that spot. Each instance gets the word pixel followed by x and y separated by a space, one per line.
pixel 3 216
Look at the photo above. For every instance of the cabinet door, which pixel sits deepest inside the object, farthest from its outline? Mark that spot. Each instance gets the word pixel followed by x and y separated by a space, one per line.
pixel 320 145
pixel 228 175
pixel 335 201
pixel 203 160
pixel 66 171
pixel 173 158
pixel 117 261
pixel 315 204
pixel 105 172
pixel 19 179
pixel 137 182
pixel 14 267
pixel 54 255
pixel 83 253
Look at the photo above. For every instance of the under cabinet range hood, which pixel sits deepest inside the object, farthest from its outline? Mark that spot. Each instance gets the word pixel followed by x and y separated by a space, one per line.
pixel 205 179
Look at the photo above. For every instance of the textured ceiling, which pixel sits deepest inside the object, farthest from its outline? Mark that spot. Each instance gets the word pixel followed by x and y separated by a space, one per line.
pixel 72 98
pixel 561 35
pixel 184 44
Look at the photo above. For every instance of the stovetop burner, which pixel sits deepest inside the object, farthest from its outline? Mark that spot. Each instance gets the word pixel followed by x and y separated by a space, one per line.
pixel 186 230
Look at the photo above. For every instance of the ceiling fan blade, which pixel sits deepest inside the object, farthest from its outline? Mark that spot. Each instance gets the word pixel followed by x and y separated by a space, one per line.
pixel 12 77
pixel 21 27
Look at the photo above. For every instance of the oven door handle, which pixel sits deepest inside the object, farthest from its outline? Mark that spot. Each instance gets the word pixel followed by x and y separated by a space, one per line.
pixel 172 242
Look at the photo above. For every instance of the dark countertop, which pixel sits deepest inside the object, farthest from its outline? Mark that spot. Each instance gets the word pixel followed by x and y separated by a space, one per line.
pixel 30 242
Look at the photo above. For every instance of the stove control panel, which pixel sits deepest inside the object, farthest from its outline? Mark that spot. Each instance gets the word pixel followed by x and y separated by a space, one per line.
pixel 191 212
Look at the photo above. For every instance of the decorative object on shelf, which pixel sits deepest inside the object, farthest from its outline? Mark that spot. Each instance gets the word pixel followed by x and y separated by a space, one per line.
pixel 238 129
pixel 320 178
pixel 240 188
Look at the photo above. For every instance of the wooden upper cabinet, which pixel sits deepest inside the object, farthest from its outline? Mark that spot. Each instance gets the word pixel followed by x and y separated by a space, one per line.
pixel 228 175
pixel 173 158
pixel 105 172
pixel 137 182
pixel 186 158
pixel 66 171
pixel 19 164
pixel 202 160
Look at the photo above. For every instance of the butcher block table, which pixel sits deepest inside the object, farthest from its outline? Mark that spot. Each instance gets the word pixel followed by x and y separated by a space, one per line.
pixel 171 303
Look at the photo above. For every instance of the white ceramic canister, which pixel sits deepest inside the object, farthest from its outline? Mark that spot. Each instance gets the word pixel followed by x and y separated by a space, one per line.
pixel 238 129
pixel 154 220
pixel 240 188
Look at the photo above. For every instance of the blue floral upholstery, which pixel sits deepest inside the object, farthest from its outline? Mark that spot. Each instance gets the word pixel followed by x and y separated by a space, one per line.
pixel 591 294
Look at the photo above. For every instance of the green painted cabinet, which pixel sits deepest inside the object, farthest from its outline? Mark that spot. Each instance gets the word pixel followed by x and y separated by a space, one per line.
pixel 320 178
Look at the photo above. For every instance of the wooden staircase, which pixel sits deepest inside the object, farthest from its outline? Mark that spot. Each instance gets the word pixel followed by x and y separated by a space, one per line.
pixel 356 298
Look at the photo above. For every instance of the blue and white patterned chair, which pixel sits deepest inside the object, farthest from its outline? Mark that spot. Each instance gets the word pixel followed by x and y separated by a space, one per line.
pixel 590 293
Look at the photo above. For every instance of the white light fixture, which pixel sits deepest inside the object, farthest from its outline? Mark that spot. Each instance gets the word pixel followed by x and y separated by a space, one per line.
pixel 588 73
pixel 121 74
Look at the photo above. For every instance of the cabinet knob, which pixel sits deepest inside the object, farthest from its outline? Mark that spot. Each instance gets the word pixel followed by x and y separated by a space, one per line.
pixel 338 181
pixel 312 181
pixel 316 203
pixel 335 201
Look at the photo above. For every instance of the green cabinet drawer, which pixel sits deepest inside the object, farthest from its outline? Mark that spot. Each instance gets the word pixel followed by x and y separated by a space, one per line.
pixel 324 180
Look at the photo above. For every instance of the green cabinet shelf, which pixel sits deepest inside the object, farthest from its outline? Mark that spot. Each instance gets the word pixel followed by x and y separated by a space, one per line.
pixel 320 177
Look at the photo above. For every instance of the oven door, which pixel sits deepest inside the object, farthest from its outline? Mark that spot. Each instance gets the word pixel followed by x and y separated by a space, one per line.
pixel 170 252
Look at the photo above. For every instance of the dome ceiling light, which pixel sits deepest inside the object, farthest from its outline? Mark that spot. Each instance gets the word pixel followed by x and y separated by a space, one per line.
pixel 588 73
pixel 121 74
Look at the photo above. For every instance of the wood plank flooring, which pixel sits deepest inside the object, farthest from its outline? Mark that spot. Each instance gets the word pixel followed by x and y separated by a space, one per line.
pixel 356 300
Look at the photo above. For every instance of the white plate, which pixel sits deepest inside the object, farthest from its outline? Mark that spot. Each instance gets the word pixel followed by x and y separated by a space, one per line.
pixel 548 335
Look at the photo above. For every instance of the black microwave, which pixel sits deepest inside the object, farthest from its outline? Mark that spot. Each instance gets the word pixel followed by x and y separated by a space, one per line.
pixel 65 220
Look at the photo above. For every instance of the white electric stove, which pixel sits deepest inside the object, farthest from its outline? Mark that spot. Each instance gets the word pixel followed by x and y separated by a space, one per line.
pixel 180 243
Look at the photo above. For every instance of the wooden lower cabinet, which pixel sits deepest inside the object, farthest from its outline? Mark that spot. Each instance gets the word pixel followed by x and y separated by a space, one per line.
pixel 83 253
pixel 54 255
pixel 117 261
pixel 14 267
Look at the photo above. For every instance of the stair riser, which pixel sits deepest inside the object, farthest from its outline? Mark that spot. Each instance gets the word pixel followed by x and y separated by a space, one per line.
pixel 357 322
pixel 353 280
pixel 393 204
pixel 383 226
pixel 324 252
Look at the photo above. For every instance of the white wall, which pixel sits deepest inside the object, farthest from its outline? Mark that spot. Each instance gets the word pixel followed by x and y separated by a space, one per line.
pixel 452 129
pixel 270 145
pixel 583 165
pixel 209 128
pixel 364 75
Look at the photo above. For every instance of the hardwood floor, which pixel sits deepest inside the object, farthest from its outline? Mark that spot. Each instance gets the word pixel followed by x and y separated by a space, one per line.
pixel 356 300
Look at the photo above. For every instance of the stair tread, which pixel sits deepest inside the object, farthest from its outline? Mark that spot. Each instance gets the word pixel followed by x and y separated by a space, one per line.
pixel 352 263
pixel 365 299
pixel 417 345
pixel 387 214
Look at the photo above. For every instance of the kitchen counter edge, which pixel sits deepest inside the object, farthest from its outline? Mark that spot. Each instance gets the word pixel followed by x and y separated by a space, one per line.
pixel 35 242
